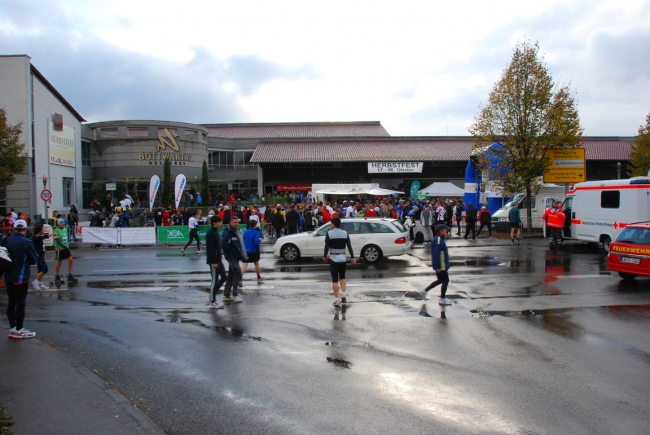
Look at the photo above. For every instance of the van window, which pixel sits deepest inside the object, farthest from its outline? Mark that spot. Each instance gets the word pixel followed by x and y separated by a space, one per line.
pixel 610 199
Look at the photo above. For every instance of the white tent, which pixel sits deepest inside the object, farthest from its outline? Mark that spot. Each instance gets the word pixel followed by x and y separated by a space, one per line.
pixel 442 189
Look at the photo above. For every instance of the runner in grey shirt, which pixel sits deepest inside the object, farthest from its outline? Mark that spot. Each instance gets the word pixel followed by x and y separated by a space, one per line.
pixel 426 219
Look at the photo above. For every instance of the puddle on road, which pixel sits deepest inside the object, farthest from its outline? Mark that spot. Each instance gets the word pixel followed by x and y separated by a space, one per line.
pixel 228 330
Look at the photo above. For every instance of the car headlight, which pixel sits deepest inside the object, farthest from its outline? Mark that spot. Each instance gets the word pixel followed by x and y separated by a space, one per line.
pixel 502 219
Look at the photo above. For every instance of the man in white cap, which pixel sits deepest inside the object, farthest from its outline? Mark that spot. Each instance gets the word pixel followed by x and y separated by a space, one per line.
pixel 23 254
pixel 62 250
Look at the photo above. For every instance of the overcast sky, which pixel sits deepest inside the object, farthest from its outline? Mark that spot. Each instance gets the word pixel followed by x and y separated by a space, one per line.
pixel 421 68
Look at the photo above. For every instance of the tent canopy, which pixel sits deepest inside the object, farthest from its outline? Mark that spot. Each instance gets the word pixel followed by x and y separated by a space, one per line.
pixel 442 189
pixel 368 191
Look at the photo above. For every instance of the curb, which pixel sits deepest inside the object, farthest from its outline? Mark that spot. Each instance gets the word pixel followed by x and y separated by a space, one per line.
pixel 133 411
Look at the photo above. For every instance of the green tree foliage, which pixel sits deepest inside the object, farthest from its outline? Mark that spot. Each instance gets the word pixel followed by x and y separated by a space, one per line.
pixel 527 114
pixel 167 189
pixel 12 152
pixel 205 182
pixel 640 156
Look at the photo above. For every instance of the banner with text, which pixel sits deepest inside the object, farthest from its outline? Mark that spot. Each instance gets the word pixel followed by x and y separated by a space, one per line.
pixel 178 188
pixel 394 167
pixel 62 149
pixel 154 184
pixel 181 234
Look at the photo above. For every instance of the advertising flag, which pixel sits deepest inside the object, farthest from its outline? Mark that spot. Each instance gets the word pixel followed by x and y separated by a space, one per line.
pixel 178 188
pixel 415 186
pixel 154 184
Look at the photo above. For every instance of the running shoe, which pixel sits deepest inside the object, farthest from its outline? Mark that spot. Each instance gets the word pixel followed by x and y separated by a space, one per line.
pixel 26 334
pixel 183 251
pixel 444 301
pixel 72 279
pixel 237 300
pixel 43 286
pixel 58 280
pixel 241 284
pixel 337 302
pixel 36 285
pixel 215 305
pixel 227 298
pixel 344 297
pixel 518 242
pixel 260 279
pixel 199 252
pixel 15 334
pixel 423 294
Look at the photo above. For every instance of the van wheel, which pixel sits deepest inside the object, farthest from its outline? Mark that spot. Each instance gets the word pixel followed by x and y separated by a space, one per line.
pixel 627 276
pixel 290 253
pixel 606 242
pixel 371 254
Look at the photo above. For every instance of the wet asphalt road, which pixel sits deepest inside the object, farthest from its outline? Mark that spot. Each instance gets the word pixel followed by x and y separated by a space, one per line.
pixel 536 342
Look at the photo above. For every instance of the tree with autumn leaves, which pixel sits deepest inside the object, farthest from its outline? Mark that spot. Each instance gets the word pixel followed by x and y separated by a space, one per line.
pixel 526 114
pixel 12 152
pixel 640 155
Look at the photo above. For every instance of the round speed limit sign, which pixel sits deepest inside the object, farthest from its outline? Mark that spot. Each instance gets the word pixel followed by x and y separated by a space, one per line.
pixel 46 195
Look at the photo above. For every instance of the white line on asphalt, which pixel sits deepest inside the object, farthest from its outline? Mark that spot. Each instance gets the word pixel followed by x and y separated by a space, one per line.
pixel 141 289
pixel 138 270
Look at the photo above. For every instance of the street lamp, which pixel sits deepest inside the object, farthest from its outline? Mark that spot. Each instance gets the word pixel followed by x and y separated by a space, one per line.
pixel 45 202
pixel 618 169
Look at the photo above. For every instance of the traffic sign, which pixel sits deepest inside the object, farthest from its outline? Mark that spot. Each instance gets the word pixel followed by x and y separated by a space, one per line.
pixel 46 195
pixel 566 165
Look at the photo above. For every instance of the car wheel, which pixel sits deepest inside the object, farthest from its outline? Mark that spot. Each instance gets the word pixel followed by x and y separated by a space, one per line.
pixel 290 253
pixel 627 276
pixel 371 253
pixel 606 242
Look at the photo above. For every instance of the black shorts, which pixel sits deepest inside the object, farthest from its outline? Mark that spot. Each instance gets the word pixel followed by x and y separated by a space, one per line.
pixel 513 225
pixel 252 257
pixel 63 254
pixel 337 270
pixel 41 265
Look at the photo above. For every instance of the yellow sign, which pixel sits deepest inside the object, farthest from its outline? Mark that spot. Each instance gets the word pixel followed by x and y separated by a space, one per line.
pixel 565 165
pixel 171 143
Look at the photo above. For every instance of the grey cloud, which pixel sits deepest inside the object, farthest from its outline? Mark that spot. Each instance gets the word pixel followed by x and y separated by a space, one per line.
pixel 105 82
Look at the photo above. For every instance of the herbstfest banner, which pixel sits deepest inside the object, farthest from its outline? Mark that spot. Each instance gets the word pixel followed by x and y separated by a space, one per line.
pixel 154 184
pixel 181 234
pixel 178 188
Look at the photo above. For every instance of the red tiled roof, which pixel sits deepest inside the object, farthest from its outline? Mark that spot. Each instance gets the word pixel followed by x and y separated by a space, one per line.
pixel 363 150
pixel 402 149
pixel 297 130
pixel 607 149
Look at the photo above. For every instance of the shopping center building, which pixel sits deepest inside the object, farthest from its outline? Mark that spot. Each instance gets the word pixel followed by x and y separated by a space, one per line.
pixel 70 157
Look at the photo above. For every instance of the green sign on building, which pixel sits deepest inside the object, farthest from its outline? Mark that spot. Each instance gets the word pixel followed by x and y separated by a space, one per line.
pixel 182 234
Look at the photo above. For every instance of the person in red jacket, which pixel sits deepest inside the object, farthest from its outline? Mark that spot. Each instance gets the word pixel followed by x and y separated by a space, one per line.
pixel 554 217
pixel 166 218
pixel 326 215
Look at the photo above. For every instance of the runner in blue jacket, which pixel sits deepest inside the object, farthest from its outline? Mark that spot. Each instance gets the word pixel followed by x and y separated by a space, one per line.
pixel 440 263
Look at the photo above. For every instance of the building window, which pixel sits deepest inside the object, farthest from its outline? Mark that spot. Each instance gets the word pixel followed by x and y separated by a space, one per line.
pixel 220 160
pixel 85 153
pixel 68 191
pixel 87 191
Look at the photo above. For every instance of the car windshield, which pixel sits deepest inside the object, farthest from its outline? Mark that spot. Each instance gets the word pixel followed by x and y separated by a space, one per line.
pixel 323 230
pixel 634 235
pixel 514 201
pixel 399 226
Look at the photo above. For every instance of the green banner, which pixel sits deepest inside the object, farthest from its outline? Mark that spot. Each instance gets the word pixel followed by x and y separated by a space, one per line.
pixel 415 186
pixel 182 234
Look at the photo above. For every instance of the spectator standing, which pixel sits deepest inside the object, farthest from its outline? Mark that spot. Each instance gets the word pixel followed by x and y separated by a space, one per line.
pixel 485 219
pixel 514 216
pixel 234 251
pixel 215 261
pixel 22 253
pixel 252 245
pixel 470 221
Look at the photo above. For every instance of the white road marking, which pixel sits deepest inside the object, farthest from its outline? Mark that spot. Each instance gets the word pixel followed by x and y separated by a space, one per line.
pixel 141 289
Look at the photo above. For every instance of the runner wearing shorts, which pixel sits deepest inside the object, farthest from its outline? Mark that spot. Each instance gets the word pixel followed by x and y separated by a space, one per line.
pixel 62 250
pixel 335 242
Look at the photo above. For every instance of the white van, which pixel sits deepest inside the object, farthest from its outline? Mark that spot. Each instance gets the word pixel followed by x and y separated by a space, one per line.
pixel 545 196
pixel 597 211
